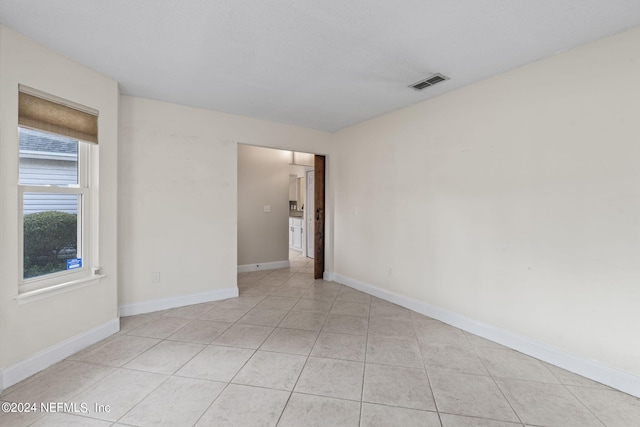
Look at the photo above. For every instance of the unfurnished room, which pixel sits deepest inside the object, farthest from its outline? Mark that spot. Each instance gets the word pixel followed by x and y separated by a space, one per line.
pixel 306 213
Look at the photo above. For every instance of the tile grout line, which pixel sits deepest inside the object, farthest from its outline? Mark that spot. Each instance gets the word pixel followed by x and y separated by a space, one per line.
pixel 493 379
pixel 306 360
pixel 230 381
pixel 299 374
pixel 205 346
pixel 426 371
pixel 580 400
pixel 364 365
pixel 238 371
pixel 140 370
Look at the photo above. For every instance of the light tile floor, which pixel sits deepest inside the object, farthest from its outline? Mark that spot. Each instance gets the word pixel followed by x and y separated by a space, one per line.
pixel 293 351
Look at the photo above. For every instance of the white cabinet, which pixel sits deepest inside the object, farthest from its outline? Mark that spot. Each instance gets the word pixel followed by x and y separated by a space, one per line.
pixel 290 233
pixel 295 233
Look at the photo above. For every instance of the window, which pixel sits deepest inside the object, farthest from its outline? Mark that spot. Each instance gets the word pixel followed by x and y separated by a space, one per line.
pixel 55 192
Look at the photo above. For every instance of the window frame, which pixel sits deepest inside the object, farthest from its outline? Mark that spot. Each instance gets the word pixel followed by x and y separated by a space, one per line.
pixel 87 232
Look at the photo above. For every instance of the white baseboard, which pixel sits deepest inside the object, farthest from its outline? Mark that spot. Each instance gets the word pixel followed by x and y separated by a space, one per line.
pixel 177 301
pixel 54 354
pixel 619 380
pixel 263 266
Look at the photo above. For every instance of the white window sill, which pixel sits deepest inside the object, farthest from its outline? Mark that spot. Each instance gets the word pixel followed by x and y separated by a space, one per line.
pixel 26 297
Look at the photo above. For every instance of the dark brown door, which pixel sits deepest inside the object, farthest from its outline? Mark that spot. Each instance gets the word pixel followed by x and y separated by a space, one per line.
pixel 318 201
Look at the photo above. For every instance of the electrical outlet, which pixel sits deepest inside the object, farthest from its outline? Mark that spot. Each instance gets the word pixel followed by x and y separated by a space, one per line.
pixel 267 208
pixel 155 277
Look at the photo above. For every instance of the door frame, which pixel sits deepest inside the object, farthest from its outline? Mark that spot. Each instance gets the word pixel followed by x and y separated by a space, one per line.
pixel 319 201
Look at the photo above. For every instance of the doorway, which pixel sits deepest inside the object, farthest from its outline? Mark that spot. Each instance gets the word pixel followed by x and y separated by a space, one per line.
pixel 267 178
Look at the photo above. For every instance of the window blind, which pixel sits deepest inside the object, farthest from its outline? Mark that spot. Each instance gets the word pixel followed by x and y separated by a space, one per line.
pixel 40 111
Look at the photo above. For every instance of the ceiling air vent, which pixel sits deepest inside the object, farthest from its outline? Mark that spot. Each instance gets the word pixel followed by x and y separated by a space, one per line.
pixel 429 81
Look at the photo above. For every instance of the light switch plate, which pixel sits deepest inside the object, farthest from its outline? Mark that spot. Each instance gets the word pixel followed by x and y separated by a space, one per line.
pixel 267 208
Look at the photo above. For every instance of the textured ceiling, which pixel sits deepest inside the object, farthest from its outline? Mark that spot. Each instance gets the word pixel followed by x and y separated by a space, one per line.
pixel 322 64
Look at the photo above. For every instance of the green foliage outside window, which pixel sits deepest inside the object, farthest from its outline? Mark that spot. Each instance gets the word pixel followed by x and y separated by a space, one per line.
pixel 50 238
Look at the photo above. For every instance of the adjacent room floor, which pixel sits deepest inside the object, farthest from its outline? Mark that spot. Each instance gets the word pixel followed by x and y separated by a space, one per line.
pixel 291 351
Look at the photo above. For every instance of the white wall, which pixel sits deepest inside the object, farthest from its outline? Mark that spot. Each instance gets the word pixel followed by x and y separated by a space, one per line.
pixel 28 329
pixel 178 198
pixel 263 180
pixel 514 202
